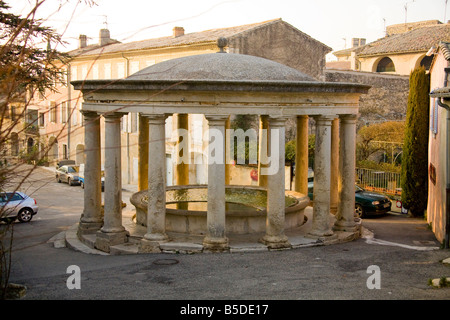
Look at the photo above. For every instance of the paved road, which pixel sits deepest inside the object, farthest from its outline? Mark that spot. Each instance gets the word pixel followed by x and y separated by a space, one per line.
pixel 399 248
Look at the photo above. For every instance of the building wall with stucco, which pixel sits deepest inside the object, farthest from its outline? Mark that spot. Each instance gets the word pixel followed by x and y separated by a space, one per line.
pixel 437 154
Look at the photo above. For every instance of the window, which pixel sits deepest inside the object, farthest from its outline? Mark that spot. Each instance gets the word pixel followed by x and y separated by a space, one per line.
pixel 134 67
pixel 385 65
pixel 74 73
pixel 95 72
pixel 107 70
pixel 120 70
pixel 41 120
pixel 65 151
pixel 64 112
pixel 52 111
pixel 84 72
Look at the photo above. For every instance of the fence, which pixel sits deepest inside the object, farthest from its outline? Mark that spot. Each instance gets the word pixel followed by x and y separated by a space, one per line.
pixel 379 181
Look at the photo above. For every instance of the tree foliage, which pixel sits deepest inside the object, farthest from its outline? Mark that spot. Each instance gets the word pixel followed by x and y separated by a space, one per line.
pixel 369 138
pixel 414 177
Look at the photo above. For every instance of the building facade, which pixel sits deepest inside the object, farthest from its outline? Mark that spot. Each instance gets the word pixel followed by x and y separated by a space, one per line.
pixel 438 148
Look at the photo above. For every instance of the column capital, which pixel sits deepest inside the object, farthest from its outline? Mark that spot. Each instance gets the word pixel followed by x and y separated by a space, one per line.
pixel 277 121
pixel 89 113
pixel 216 119
pixel 113 115
pixel 324 120
pixel 348 118
pixel 156 118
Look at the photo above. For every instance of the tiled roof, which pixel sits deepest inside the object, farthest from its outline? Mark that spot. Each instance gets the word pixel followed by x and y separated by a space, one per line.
pixel 445 48
pixel 417 40
pixel 186 39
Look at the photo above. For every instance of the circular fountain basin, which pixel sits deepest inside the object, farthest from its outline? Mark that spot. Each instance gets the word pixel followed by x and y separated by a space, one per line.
pixel 245 209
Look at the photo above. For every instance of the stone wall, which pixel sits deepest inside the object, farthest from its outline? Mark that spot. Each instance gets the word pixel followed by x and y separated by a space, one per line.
pixel 386 100
pixel 285 44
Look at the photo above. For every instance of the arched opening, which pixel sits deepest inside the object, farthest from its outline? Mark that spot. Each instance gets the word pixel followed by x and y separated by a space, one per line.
pixel 30 144
pixel 426 62
pixel 385 65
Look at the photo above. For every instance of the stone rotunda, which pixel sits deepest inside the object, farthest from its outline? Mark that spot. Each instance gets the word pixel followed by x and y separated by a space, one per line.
pixel 217 85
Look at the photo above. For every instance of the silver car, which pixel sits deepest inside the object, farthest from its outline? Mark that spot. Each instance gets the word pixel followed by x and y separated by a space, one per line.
pixel 69 174
pixel 17 205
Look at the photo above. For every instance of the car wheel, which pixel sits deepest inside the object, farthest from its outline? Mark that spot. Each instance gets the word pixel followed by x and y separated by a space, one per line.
pixel 359 211
pixel 25 215
pixel 82 185
pixel 69 181
pixel 58 179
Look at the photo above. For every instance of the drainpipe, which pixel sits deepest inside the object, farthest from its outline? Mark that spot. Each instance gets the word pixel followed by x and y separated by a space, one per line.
pixel 447 218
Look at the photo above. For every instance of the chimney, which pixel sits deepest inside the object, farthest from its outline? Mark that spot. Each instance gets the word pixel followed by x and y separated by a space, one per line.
pixel 83 41
pixel 104 37
pixel 178 31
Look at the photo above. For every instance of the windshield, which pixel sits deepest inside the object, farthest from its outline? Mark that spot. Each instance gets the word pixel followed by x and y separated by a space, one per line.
pixel 358 189
pixel 72 169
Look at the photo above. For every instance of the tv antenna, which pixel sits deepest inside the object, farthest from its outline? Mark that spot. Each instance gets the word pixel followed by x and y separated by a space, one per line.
pixel 406 10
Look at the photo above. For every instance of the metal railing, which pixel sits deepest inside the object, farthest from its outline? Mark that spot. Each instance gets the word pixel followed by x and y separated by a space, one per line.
pixel 379 181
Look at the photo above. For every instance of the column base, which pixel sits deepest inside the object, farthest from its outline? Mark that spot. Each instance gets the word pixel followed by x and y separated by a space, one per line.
pixel 156 237
pixel 215 244
pixel 324 237
pixel 320 233
pixel 149 246
pixel 342 225
pixel 275 242
pixel 104 240
pixel 88 227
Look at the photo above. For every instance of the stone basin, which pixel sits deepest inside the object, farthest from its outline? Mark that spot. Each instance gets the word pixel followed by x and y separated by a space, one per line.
pixel 186 209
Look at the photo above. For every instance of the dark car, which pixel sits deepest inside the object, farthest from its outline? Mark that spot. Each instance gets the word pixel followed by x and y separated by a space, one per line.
pixel 366 203
pixel 68 174
pixel 370 203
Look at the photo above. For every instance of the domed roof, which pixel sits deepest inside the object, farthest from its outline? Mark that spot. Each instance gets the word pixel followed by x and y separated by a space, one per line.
pixel 220 67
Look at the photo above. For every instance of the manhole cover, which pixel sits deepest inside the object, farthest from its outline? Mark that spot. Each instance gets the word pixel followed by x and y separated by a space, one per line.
pixel 165 262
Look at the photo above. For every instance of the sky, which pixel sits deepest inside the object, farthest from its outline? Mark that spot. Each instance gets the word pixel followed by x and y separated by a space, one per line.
pixel 332 22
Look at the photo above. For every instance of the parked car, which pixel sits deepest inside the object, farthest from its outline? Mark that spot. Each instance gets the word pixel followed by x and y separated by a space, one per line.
pixel 17 205
pixel 69 174
pixel 366 203
pixel 81 177
pixel 370 203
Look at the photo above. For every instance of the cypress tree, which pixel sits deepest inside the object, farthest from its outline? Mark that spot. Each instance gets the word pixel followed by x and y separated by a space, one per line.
pixel 414 177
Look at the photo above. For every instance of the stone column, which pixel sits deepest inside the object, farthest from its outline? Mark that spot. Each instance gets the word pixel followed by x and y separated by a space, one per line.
pixel 347 160
pixel 334 169
pixel 216 239
pixel 112 232
pixel 156 210
pixel 182 168
pixel 301 156
pixel 91 220
pixel 143 153
pixel 228 166
pixel 321 209
pixel 275 221
pixel 263 148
